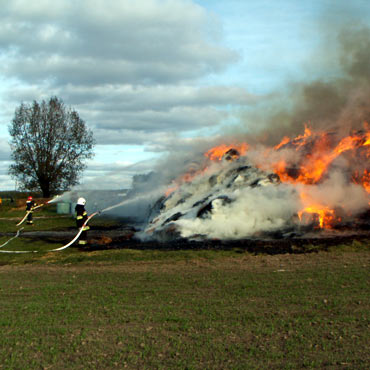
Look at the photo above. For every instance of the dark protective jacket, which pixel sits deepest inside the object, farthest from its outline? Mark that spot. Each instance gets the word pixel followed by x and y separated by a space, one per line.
pixel 81 216
pixel 30 204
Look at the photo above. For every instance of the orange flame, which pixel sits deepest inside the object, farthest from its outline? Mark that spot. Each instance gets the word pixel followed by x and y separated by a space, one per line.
pixel 304 159
pixel 316 162
pixel 283 142
pixel 326 216
pixel 301 140
pixel 170 190
pixel 366 181
pixel 218 152
pixel 318 154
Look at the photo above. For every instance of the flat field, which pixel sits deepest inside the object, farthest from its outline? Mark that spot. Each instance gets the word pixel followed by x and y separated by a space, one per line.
pixel 183 309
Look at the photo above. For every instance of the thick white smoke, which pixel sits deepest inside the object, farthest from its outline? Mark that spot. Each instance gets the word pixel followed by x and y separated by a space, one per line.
pixel 254 210
pixel 236 198
pixel 226 200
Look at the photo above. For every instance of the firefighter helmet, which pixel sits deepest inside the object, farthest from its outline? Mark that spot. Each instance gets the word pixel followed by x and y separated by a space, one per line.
pixel 81 201
pixel 29 198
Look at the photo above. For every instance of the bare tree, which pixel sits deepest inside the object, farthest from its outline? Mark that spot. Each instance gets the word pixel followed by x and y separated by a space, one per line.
pixel 49 145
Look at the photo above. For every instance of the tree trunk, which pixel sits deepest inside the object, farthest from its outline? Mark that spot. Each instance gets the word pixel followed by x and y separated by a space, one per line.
pixel 45 190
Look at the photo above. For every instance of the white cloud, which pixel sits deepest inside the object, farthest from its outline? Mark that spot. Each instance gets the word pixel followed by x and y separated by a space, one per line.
pixel 109 42
pixel 130 69
pixel 124 66
pixel 136 72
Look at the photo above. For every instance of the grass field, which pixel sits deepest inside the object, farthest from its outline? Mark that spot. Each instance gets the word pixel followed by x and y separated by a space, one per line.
pixel 185 309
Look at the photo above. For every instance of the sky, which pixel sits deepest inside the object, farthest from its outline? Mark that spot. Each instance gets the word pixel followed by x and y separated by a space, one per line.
pixel 150 76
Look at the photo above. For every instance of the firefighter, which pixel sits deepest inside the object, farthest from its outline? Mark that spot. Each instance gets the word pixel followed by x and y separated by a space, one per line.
pixel 30 205
pixel 81 217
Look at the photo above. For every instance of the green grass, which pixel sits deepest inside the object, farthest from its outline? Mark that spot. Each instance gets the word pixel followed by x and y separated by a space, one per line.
pixel 185 309
pixel 45 218
pixel 186 315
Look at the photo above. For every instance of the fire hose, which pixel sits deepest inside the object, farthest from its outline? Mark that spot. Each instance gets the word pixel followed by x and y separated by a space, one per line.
pixel 18 232
pixel 77 235
pixel 23 219
pixel 68 244
pixel 56 249
pixel 16 236
pixel 27 213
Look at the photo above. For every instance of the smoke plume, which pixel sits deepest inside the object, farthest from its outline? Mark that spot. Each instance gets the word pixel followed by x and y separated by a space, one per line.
pixel 313 135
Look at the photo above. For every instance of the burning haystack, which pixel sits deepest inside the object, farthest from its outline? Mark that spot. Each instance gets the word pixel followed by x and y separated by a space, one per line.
pixel 316 181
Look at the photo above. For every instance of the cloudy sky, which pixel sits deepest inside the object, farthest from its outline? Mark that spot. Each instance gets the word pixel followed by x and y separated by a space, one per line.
pixel 150 76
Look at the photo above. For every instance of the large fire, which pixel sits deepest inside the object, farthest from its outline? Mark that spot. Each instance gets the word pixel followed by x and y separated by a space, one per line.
pixel 318 155
pixel 306 160
pixel 316 152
